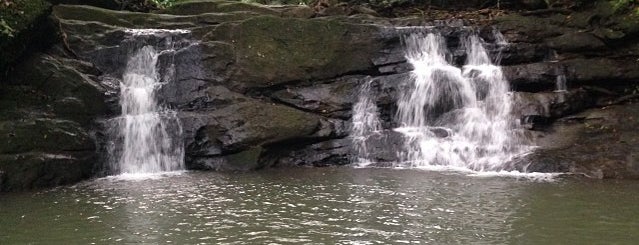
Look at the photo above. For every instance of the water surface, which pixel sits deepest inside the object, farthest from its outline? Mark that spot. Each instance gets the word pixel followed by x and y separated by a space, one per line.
pixel 325 206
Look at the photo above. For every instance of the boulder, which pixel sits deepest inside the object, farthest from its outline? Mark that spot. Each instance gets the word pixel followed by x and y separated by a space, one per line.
pixel 272 50
pixel 598 143
pixel 242 126
pixel 46 110
pixel 333 99
pixel 41 169
pixel 576 41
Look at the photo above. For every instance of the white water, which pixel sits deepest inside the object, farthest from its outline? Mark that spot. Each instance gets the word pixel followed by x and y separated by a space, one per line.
pixel 560 85
pixel 150 134
pixel 452 118
pixel 365 123
pixel 471 103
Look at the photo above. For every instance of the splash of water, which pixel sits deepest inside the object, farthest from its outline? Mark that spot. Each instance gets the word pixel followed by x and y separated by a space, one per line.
pixel 472 104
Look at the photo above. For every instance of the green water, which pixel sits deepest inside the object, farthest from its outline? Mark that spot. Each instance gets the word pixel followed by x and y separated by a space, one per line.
pixel 325 206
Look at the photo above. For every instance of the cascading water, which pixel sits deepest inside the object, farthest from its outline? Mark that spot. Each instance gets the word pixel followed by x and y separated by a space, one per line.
pixel 471 104
pixel 365 123
pixel 450 117
pixel 148 135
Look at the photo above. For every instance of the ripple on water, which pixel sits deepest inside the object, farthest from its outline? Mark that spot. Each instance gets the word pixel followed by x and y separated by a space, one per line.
pixel 333 205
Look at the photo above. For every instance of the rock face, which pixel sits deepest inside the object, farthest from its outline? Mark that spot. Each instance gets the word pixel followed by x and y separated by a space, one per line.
pixel 589 129
pixel 260 86
pixel 253 84
pixel 47 108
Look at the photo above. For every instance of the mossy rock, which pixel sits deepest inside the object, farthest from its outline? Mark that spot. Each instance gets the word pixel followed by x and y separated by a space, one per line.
pixel 44 83
pixel 21 23
pixel 43 135
pixel 252 123
pixel 216 6
pixel 272 50
pixel 39 169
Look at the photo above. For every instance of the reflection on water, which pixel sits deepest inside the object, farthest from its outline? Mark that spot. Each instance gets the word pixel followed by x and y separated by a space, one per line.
pixel 331 205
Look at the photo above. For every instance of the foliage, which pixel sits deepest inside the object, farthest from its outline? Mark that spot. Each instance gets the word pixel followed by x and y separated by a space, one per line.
pixel 625 5
pixel 19 20
pixel 17 15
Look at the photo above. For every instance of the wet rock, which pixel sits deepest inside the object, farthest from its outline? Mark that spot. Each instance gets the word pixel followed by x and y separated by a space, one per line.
pixel 271 50
pixel 532 77
pixel 601 70
pixel 334 99
pixel 242 161
pixel 46 110
pixel 385 147
pixel 598 143
pixel 576 41
pixel 551 104
pixel 40 169
pixel 217 6
pixel 325 153
pixel 520 53
pixel 42 134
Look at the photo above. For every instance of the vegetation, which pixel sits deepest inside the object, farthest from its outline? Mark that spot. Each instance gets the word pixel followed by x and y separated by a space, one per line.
pixel 17 17
pixel 626 5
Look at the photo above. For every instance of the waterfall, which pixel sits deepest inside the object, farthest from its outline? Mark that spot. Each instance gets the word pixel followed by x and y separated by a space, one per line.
pixel 560 84
pixel 147 136
pixel 365 123
pixel 449 117
pixel 472 104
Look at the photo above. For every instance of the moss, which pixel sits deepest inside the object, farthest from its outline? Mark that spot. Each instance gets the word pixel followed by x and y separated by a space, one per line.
pixel 20 25
pixel 272 50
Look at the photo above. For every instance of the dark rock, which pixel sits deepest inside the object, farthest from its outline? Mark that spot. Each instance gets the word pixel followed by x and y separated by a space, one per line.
pixel 40 169
pixel 217 6
pixel 531 29
pixel 384 147
pixel 533 77
pixel 598 143
pixel 520 53
pixel 576 41
pixel 272 51
pixel 330 152
pixel 333 99
pixel 551 104
pixel 106 4
pixel 534 4
pixel 24 29
pixel 46 109
pixel 241 161
pixel 601 70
